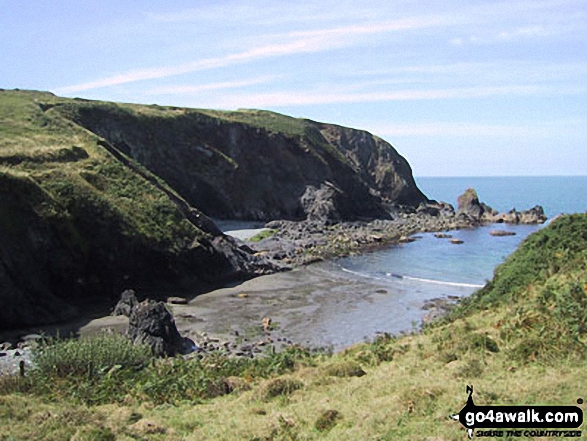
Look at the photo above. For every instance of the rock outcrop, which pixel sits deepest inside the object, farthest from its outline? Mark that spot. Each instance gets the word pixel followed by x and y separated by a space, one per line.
pixel 256 165
pixel 128 301
pixel 151 323
pixel 471 209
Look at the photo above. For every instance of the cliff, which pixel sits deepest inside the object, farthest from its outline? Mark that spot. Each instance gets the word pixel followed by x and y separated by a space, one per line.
pixel 253 164
pixel 96 197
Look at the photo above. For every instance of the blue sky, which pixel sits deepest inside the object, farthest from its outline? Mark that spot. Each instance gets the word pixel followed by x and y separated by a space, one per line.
pixel 476 88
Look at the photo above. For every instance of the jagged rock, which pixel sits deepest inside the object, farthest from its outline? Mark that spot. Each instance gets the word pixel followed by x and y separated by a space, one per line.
pixel 177 300
pixel 127 302
pixel 534 215
pixel 151 323
pixel 320 204
pixel 501 233
pixel 471 209
pixel 469 205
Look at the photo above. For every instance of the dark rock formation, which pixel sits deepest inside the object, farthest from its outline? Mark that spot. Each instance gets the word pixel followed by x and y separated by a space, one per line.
pixel 469 205
pixel 500 233
pixel 321 204
pixel 80 232
pixel 127 302
pixel 151 323
pixel 257 165
pixel 471 209
pixel 534 215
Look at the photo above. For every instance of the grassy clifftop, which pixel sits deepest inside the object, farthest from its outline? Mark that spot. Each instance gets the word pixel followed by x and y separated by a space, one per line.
pixel 524 345
pixel 120 193
pixel 81 219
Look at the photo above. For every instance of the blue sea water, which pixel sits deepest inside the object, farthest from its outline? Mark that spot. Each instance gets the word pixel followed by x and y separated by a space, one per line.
pixel 556 194
pixel 355 297
pixel 431 267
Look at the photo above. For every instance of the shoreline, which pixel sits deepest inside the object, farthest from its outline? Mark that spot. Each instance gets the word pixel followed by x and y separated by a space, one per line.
pixel 293 247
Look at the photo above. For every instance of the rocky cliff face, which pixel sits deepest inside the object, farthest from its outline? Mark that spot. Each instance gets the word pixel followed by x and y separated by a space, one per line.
pixel 98 197
pixel 79 221
pixel 238 166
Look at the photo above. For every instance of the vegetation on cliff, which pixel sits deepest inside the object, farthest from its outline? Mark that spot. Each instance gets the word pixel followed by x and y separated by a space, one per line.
pixel 81 221
pixel 96 197
pixel 520 344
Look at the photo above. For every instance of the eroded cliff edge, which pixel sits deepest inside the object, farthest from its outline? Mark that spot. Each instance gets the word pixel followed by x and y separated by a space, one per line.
pixel 256 165
pixel 96 197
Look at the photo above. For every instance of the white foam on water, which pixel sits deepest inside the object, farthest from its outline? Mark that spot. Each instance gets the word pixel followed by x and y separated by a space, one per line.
pixel 442 282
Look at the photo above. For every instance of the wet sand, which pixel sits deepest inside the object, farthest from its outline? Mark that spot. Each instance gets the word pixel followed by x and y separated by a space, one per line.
pixel 320 306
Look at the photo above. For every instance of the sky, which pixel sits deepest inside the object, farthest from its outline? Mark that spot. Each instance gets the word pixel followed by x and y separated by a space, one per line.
pixel 475 88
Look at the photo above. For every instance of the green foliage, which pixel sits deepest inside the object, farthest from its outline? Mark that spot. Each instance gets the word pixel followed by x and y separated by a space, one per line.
pixel 327 420
pixel 558 248
pixel 90 357
pixel 264 119
pixel 280 386
pixel 108 368
pixel 551 325
pixel 344 368
pixel 262 235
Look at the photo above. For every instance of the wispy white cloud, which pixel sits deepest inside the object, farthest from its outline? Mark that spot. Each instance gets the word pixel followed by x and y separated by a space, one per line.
pixel 525 32
pixel 301 42
pixel 191 89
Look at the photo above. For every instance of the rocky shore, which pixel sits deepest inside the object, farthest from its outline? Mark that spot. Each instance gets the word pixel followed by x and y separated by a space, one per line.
pixel 287 245
pixel 299 243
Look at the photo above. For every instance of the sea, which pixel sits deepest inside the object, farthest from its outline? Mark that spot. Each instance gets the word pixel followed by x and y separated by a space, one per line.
pixel 471 264
pixel 432 268
pixel 386 290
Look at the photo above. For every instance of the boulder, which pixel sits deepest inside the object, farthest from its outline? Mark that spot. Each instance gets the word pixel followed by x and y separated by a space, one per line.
pixel 534 215
pixel 499 233
pixel 469 205
pixel 127 302
pixel 177 300
pixel 151 323
pixel 321 204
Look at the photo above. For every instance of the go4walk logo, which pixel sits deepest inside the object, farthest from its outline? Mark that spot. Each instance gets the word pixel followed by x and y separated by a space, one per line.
pixel 517 421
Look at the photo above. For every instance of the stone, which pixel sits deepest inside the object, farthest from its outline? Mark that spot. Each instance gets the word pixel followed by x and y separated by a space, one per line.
pixel 127 302
pixel 534 215
pixel 151 323
pixel 501 233
pixel 469 205
pixel 177 300
pixel 267 324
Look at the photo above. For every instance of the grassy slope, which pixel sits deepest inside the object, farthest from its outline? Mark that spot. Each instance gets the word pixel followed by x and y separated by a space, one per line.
pixel 65 160
pixel 524 345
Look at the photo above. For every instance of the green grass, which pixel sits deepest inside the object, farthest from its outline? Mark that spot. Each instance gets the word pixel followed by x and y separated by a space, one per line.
pixel 262 235
pixel 85 183
pixel 264 119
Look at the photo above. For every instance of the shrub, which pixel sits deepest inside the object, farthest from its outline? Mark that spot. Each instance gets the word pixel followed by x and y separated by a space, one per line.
pixel 327 420
pixel 344 369
pixel 89 357
pixel 279 387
